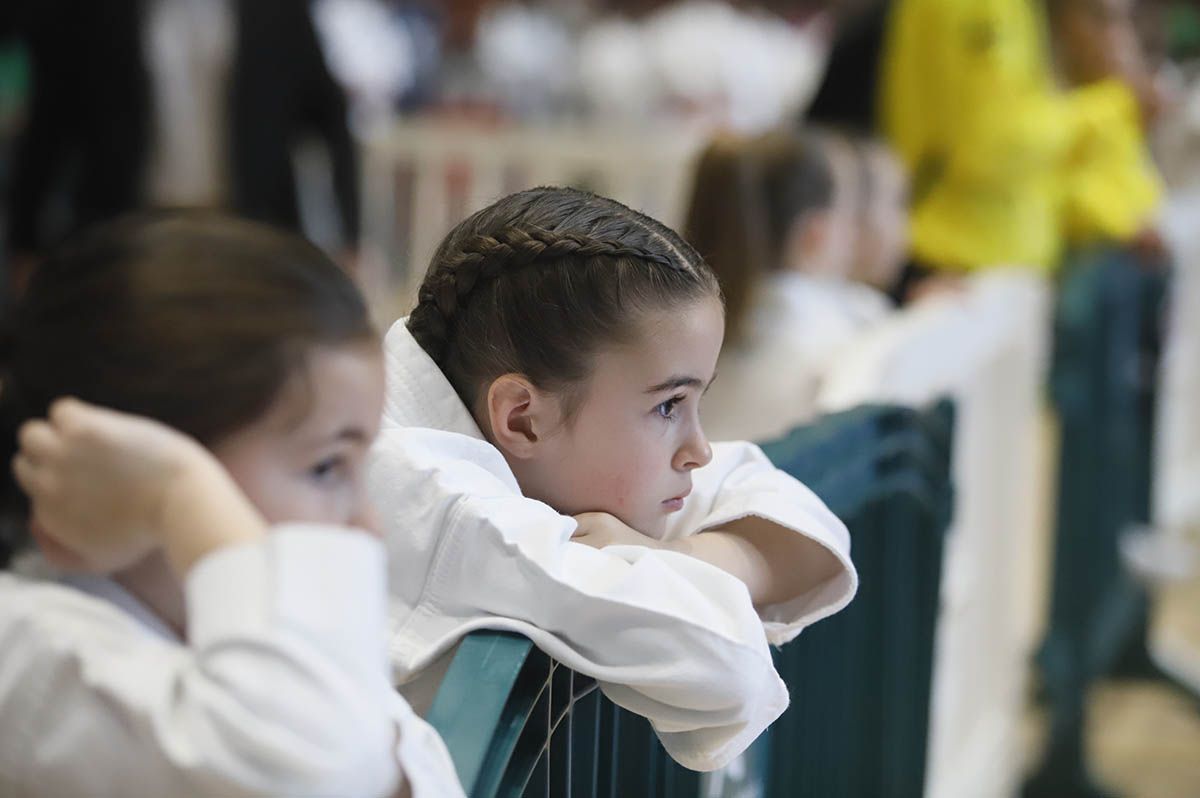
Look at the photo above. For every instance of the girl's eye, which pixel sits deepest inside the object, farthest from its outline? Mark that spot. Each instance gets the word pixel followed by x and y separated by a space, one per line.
pixel 667 408
pixel 328 469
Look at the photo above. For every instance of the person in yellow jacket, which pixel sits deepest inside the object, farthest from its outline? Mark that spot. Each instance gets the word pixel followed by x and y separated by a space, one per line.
pixel 1111 180
pixel 1006 164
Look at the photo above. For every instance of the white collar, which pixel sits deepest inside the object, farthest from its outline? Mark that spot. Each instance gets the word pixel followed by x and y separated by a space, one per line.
pixel 418 393
pixel 33 565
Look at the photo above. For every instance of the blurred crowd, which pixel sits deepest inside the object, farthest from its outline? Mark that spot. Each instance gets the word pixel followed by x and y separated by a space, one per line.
pixel 1024 126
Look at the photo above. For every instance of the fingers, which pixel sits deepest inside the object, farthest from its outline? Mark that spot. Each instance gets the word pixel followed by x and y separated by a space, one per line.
pixel 39 448
pixel 27 475
pixel 38 441
pixel 67 413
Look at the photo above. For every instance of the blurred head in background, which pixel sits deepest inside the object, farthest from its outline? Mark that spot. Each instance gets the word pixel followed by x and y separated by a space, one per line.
pixel 784 201
pixel 1093 37
pixel 1099 39
pixel 883 244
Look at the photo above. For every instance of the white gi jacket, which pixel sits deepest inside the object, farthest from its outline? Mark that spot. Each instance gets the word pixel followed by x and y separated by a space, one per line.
pixel 668 636
pixel 281 688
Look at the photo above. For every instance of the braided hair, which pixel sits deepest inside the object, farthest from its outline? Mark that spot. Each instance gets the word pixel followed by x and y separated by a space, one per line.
pixel 536 283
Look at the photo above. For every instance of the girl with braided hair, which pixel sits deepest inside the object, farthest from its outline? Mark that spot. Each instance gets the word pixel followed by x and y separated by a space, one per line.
pixel 542 469
pixel 193 605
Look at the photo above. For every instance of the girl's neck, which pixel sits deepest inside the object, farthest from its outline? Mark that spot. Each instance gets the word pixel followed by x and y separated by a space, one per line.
pixel 152 582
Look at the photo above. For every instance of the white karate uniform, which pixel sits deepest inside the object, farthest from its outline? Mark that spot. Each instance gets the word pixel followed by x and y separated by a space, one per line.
pixel 668 636
pixel 799 326
pixel 280 689
pixel 745 70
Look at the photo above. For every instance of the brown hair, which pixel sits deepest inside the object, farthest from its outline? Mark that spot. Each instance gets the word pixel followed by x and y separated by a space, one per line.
pixel 194 319
pixel 536 283
pixel 746 195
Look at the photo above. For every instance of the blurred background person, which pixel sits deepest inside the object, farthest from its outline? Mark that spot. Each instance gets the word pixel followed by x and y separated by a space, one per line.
pixel 997 151
pixel 1113 190
pixel 884 240
pixel 179 103
pixel 780 218
pixel 386 55
pixel 849 89
pixel 743 68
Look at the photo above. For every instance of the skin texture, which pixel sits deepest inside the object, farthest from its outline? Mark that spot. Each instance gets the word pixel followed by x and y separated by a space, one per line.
pixel 622 462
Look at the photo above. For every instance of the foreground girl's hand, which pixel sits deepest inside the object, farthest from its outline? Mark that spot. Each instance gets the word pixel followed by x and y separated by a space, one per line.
pixel 111 487
pixel 601 529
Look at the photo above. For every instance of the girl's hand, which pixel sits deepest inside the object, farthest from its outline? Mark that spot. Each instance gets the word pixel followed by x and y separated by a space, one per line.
pixel 601 529
pixel 111 487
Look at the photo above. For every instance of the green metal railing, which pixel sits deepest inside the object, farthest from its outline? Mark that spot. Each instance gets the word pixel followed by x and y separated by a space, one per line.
pixel 520 724
pixel 861 681
pixel 1103 381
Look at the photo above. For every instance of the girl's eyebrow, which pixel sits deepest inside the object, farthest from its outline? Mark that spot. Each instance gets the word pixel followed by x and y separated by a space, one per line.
pixel 349 434
pixel 679 381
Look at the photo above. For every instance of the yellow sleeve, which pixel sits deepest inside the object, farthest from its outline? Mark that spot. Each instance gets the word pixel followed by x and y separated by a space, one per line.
pixel 1111 189
pixel 967 84
pixel 909 107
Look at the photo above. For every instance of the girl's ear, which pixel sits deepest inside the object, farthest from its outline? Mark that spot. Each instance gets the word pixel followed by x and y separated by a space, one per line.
pixel 519 415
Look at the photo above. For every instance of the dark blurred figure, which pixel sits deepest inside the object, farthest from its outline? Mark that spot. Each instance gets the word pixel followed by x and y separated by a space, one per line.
pixel 140 103
pixel 848 94
pixel 460 20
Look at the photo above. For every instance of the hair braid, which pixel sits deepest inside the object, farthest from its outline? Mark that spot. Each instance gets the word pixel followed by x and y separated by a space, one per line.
pixel 482 258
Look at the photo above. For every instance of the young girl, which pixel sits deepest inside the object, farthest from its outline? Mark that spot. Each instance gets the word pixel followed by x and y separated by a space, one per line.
pixel 780 218
pixel 542 468
pixel 191 620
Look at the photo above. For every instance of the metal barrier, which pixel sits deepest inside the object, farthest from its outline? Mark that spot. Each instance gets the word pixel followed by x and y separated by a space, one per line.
pixel 519 724
pixel 985 347
pixel 860 682
pixel 1104 379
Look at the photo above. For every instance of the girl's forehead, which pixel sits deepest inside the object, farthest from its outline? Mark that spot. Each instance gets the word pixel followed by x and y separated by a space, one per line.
pixel 679 341
pixel 333 387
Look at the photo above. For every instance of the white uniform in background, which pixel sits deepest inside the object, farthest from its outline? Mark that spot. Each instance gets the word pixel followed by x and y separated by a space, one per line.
pixel 669 637
pixel 281 688
pixel 188 48
pixel 768 382
pixel 746 70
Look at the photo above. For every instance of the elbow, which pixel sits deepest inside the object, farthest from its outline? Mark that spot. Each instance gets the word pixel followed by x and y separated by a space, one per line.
pixel 729 686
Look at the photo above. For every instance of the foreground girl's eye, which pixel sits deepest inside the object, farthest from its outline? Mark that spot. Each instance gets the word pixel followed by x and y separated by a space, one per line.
pixel 667 409
pixel 329 469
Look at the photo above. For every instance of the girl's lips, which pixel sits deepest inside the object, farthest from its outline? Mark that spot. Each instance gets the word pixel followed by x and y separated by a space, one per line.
pixel 676 504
